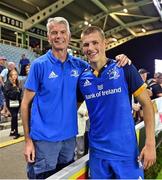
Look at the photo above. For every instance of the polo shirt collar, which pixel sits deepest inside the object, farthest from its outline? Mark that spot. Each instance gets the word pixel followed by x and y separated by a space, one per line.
pixel 55 60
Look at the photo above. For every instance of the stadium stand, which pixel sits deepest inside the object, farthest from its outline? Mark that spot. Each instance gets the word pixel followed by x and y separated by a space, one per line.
pixel 13 53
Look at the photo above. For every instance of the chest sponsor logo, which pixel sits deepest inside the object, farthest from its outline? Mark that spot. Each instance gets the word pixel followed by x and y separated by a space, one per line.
pixel 87 83
pixel 113 73
pixel 74 73
pixel 102 93
pixel 52 75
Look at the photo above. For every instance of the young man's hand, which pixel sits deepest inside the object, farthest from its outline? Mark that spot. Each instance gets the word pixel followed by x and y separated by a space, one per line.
pixel 148 156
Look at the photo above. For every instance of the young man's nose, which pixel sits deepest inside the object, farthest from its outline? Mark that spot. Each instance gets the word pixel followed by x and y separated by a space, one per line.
pixel 91 46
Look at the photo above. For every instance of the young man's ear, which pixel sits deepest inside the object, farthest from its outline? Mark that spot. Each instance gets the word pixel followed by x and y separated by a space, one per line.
pixel 104 42
pixel 81 44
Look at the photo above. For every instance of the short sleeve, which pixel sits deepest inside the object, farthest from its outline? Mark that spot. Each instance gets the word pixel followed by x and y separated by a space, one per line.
pixel 135 83
pixel 33 79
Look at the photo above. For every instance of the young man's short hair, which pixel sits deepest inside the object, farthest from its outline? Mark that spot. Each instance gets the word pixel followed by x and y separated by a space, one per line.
pixel 93 29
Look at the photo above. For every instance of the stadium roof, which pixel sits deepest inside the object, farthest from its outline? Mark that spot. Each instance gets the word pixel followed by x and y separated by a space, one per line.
pixel 122 20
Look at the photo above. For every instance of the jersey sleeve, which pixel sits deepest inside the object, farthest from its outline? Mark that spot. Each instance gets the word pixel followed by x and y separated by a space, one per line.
pixel 33 79
pixel 135 83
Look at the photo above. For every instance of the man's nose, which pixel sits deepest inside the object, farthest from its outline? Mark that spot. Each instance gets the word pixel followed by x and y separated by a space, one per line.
pixel 91 46
pixel 58 35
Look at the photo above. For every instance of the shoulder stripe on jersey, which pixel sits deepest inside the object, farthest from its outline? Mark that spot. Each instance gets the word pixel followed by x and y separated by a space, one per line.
pixel 140 90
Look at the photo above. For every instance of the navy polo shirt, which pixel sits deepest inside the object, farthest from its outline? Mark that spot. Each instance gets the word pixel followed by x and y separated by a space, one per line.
pixel 112 132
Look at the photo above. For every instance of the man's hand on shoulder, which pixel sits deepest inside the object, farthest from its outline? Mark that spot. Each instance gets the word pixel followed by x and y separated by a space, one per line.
pixel 122 60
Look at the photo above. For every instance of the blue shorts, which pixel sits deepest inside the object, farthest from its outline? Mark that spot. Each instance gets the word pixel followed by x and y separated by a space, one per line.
pixel 114 169
pixel 49 155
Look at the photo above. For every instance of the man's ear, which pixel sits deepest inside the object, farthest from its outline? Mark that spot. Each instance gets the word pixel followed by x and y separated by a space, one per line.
pixel 69 37
pixel 104 44
pixel 48 39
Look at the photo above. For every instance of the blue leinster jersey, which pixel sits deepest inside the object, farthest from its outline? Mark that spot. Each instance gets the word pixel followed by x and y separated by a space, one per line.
pixel 112 130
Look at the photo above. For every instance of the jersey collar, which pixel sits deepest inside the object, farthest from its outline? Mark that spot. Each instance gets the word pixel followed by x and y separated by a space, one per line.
pixel 98 73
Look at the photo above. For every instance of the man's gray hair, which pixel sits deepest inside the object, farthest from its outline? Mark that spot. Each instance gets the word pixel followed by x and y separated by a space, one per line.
pixel 60 20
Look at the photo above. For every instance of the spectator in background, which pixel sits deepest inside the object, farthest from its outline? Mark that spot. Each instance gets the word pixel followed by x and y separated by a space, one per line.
pixel 23 62
pixel 12 92
pixel 157 77
pixel 156 85
pixel 37 49
pixel 2 66
pixel 27 68
pixel 3 78
pixel 143 73
pixel 2 63
pixel 23 80
pixel 153 80
pixel 1 100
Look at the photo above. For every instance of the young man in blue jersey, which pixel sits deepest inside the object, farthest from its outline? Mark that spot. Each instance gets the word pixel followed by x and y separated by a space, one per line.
pixel 107 89
pixel 49 105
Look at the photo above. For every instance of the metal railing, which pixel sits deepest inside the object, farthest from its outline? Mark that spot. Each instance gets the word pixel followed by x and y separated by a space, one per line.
pixel 12 43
